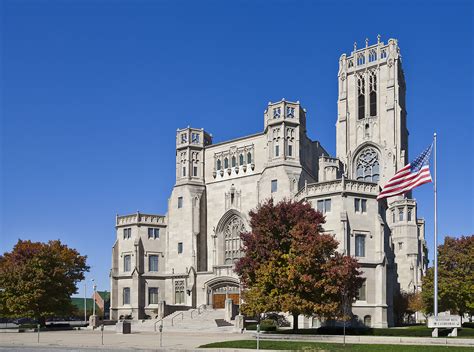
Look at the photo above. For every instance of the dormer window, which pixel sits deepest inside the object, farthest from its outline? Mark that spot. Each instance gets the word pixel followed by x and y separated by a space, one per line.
pixel 276 113
pixel 290 111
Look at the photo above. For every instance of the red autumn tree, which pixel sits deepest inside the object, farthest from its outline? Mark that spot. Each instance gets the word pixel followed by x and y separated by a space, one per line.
pixel 290 265
pixel 38 279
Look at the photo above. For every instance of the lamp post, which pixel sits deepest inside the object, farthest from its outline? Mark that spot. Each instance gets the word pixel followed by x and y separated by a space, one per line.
pixel 85 302
pixel 93 297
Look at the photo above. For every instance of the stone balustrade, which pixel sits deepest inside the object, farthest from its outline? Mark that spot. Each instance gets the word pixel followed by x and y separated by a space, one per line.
pixel 338 186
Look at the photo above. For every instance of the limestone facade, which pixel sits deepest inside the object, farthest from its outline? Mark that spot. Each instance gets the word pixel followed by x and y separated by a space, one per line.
pixel 186 257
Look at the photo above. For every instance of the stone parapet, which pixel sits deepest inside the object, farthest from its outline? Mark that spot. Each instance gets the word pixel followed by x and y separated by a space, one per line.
pixel 139 219
pixel 338 186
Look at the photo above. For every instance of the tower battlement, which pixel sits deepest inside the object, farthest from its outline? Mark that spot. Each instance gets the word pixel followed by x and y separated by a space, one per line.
pixel 369 55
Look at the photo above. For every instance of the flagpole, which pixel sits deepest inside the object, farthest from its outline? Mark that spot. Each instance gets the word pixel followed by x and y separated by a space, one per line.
pixel 435 235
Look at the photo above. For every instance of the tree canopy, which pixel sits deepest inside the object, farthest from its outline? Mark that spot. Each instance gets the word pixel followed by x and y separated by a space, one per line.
pixel 290 265
pixel 38 279
pixel 455 277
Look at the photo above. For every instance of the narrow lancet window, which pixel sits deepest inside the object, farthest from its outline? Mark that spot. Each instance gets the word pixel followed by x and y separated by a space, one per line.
pixel 361 97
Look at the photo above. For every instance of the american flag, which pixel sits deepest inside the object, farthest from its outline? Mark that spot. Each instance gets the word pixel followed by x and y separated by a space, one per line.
pixel 410 176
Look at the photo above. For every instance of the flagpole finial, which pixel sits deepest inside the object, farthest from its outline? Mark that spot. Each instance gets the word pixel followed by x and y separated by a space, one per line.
pixel 434 134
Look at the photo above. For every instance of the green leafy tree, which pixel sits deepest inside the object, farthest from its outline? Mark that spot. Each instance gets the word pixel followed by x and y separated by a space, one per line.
pixel 455 277
pixel 291 266
pixel 38 279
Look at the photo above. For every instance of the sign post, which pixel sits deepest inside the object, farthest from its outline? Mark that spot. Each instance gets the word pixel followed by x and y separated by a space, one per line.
pixel 161 334
pixel 258 336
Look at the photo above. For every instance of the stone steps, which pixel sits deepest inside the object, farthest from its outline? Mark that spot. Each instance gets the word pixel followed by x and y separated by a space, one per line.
pixel 182 321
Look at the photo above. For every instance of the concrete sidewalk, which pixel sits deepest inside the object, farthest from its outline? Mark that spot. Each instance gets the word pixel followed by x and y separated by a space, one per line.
pixel 92 339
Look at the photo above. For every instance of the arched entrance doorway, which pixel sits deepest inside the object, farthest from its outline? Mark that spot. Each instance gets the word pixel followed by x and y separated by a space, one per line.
pixel 221 288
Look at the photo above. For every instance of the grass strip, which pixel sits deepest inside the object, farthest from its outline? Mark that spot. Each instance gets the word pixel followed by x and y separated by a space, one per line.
pixel 330 347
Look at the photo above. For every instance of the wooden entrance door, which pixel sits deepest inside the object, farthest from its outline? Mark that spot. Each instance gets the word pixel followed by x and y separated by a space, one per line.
pixel 218 299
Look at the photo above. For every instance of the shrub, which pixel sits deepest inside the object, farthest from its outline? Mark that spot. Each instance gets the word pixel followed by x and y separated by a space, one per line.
pixel 266 325
pixel 279 319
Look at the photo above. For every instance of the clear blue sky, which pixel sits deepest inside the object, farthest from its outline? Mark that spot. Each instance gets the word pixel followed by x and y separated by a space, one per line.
pixel 92 93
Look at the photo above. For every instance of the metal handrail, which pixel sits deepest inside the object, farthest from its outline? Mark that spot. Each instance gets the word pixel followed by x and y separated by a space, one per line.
pixel 177 315
pixel 198 309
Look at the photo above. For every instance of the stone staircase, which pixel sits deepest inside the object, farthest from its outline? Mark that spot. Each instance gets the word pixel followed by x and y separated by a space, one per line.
pixel 188 320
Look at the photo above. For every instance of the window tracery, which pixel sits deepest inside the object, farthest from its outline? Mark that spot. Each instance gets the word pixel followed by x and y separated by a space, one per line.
pixel 232 246
pixel 372 55
pixel 276 113
pixel 367 166
pixel 233 160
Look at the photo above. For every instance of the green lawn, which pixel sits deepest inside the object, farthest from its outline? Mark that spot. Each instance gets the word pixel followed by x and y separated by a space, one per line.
pixel 316 346
pixel 412 331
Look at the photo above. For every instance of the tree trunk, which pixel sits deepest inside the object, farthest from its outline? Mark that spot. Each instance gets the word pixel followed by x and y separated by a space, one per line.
pixel 42 321
pixel 295 322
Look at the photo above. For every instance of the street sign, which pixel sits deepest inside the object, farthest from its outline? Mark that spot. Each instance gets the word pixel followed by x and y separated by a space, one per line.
pixel 444 321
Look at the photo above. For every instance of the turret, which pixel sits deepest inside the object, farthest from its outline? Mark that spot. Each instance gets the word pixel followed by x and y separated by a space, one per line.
pixel 285 125
pixel 190 143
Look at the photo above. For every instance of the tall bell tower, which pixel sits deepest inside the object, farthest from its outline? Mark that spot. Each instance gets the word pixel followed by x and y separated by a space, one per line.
pixel 371 124
pixel 372 143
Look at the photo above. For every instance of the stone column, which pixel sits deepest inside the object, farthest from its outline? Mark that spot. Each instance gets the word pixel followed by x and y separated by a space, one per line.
pixel 239 323
pixel 161 309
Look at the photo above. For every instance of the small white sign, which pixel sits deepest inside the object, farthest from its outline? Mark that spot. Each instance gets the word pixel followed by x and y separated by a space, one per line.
pixel 446 321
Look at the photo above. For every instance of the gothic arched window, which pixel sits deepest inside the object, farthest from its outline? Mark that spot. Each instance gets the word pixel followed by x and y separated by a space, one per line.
pixel 226 163
pixel 219 164
pixel 361 97
pixel 249 158
pixel 373 94
pixel 241 159
pixel 233 161
pixel 232 231
pixel 368 167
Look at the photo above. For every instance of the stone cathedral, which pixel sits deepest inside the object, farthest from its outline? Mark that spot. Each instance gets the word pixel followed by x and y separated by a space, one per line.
pixel 185 258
